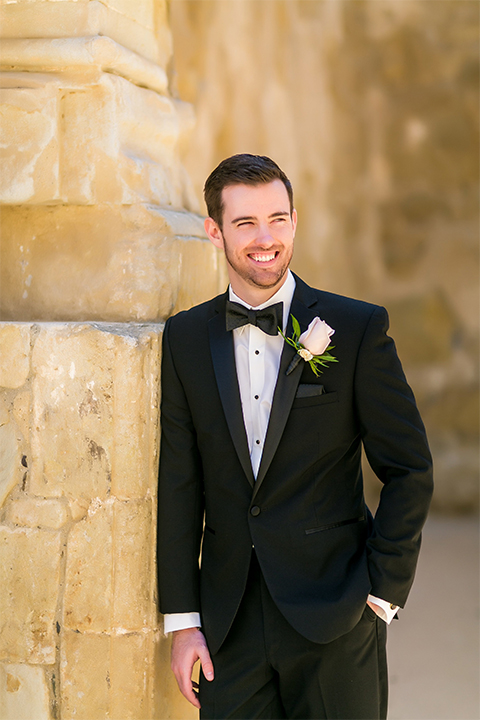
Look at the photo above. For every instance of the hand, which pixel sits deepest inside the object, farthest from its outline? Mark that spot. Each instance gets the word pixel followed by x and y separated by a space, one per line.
pixel 376 608
pixel 188 646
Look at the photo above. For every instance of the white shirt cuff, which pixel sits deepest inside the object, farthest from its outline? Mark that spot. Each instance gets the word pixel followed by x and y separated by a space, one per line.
pixel 386 610
pixel 180 621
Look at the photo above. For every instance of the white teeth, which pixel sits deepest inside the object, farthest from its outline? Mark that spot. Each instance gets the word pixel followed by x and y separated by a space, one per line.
pixel 263 258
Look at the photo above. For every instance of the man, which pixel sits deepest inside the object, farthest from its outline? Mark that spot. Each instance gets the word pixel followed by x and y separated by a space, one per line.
pixel 260 468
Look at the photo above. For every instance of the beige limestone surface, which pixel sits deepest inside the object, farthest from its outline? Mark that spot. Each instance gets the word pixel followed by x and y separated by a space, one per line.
pixel 79 630
pixel 134 263
pixel 139 26
pixel 23 693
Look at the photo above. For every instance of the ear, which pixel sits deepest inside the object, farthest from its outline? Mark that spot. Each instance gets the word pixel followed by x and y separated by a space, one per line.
pixel 214 233
pixel 294 221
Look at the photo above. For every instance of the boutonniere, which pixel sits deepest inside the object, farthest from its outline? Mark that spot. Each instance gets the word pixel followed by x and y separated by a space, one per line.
pixel 313 345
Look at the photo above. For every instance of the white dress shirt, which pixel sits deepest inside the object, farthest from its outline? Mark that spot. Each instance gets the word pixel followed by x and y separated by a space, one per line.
pixel 257 359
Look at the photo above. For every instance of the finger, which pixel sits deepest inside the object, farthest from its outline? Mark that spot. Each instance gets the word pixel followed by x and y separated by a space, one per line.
pixel 186 688
pixel 183 675
pixel 207 665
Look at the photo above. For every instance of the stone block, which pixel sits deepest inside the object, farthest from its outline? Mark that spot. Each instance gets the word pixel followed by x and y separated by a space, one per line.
pixel 107 676
pixel 24 693
pixel 136 417
pixel 29 586
pixel 21 412
pixel 133 569
pixel 88 591
pixel 30 161
pixel 10 457
pixel 35 512
pixel 72 412
pixel 202 272
pixel 85 676
pixel 131 672
pixel 95 407
pixel 104 263
pixel 78 508
pixel 103 139
pixel 109 575
pixel 141 27
pixel 14 355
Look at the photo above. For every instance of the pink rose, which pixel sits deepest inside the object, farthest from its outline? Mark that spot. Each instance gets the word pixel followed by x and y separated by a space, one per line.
pixel 316 337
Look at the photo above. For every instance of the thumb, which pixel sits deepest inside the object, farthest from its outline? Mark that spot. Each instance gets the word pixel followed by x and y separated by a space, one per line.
pixel 206 661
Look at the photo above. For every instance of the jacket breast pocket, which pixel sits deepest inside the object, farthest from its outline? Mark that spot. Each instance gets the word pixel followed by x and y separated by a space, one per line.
pixel 317 400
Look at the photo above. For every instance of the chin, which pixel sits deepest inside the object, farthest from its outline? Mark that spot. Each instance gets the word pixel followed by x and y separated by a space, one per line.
pixel 268 281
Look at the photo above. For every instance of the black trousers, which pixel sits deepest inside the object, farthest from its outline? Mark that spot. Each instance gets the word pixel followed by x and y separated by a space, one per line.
pixel 265 669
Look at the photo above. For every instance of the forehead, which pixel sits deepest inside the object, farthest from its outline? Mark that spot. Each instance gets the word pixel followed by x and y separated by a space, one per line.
pixel 254 200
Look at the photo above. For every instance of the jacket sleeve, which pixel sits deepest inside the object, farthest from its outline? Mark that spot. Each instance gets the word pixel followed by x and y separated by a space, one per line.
pixel 180 495
pixel 397 450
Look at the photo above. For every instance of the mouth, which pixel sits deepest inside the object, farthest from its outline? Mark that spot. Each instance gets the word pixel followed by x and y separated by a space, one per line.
pixel 263 258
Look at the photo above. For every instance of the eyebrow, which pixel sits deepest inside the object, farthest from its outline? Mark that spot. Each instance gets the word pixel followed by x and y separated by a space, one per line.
pixel 280 213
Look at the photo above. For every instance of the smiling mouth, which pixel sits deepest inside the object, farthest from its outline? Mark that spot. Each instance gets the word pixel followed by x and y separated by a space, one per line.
pixel 263 257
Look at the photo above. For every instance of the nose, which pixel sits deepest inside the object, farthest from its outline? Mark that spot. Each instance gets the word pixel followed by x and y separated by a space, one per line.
pixel 264 237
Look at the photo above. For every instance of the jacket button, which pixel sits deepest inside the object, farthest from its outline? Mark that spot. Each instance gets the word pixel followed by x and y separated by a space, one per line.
pixel 255 510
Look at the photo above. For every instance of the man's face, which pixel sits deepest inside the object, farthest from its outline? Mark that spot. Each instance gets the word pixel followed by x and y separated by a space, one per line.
pixel 257 236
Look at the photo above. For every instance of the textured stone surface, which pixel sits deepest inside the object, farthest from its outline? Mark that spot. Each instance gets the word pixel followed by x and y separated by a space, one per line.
pixel 89 583
pixel 23 693
pixel 142 27
pixel 85 677
pixel 129 263
pixel 132 569
pixel 21 412
pixel 107 676
pixel 29 587
pixel 85 465
pixel 95 398
pixel 130 676
pixel 72 412
pixel 136 401
pixel 98 139
pixel 14 355
pixel 9 459
pixel 35 512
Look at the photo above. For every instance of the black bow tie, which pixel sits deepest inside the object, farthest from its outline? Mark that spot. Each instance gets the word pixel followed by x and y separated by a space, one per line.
pixel 268 319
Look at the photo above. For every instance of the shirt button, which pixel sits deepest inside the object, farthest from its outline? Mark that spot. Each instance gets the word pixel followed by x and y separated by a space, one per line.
pixel 256 397
pixel 257 352
pixel 258 442
pixel 255 511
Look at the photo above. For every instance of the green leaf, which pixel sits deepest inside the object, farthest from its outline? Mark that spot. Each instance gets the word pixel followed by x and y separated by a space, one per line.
pixel 296 328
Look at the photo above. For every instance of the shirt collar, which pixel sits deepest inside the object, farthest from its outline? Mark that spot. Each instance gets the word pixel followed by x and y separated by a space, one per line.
pixel 285 295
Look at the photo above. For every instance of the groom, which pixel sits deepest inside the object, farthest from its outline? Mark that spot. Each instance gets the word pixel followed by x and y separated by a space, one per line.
pixel 272 570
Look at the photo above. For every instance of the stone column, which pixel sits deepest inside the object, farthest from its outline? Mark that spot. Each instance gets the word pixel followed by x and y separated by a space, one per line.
pixel 100 242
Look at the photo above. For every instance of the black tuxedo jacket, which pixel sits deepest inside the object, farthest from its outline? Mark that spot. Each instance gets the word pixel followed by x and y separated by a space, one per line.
pixel 319 548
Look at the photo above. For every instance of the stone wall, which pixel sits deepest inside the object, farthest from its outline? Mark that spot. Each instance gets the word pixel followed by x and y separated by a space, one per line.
pixel 371 108
pixel 100 243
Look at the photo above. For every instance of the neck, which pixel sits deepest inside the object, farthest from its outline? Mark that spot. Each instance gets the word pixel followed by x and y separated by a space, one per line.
pixel 253 295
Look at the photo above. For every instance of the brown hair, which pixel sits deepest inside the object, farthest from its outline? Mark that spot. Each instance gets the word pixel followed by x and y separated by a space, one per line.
pixel 241 169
